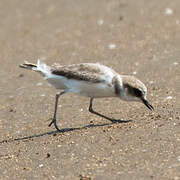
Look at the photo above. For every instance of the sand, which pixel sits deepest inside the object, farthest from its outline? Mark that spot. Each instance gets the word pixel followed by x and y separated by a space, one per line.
pixel 140 38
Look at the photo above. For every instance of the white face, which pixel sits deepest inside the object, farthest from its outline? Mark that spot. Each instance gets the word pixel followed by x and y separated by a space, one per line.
pixel 136 95
pixel 133 94
pixel 129 97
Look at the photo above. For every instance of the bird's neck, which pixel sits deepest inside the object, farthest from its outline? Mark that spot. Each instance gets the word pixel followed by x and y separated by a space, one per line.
pixel 117 81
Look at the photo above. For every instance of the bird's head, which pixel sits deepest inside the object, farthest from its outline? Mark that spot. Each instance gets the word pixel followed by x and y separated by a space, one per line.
pixel 135 90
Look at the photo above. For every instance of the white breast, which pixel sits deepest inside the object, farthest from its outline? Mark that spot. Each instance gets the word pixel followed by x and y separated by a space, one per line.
pixel 89 89
pixel 83 88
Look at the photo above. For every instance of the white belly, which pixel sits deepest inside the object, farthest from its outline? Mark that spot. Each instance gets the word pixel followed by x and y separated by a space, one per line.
pixel 82 88
pixel 89 89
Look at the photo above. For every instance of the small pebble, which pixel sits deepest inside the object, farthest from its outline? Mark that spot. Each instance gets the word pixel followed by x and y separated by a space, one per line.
pixel 121 18
pixel 85 178
pixel 168 11
pixel 21 75
pixel 112 46
pixel 178 158
pixel 169 97
pixel 100 22
pixel 177 22
pixel 144 150
pixel 39 84
pixel 175 63
pixel 41 165
pixel 48 155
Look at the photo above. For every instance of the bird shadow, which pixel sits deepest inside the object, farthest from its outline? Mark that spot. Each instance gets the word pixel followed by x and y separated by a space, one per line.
pixel 64 130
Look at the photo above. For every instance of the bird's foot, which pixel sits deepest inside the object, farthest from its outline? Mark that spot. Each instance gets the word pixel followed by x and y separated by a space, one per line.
pixel 54 122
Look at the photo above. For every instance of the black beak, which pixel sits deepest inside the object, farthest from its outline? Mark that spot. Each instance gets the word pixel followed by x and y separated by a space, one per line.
pixel 148 104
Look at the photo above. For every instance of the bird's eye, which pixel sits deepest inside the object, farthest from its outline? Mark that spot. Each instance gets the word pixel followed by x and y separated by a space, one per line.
pixel 137 92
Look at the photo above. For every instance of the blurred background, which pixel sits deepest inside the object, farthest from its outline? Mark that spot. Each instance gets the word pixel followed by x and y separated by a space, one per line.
pixel 140 38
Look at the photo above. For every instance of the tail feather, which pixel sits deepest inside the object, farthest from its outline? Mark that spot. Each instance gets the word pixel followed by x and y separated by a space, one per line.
pixel 39 67
pixel 28 65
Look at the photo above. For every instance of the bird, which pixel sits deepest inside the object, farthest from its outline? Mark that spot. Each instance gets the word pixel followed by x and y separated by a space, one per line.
pixel 92 80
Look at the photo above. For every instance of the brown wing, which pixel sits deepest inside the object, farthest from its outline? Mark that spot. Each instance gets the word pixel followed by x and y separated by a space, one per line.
pixel 85 72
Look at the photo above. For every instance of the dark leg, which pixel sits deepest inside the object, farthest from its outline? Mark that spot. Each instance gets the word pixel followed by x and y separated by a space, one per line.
pixel 55 110
pixel 101 115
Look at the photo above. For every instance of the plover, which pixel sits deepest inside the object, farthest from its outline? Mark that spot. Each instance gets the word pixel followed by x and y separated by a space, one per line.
pixel 92 80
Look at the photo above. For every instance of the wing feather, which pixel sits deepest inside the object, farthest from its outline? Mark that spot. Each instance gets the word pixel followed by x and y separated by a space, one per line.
pixel 86 72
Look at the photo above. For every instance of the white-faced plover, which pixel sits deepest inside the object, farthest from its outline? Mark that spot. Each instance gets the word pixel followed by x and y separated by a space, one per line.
pixel 92 80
